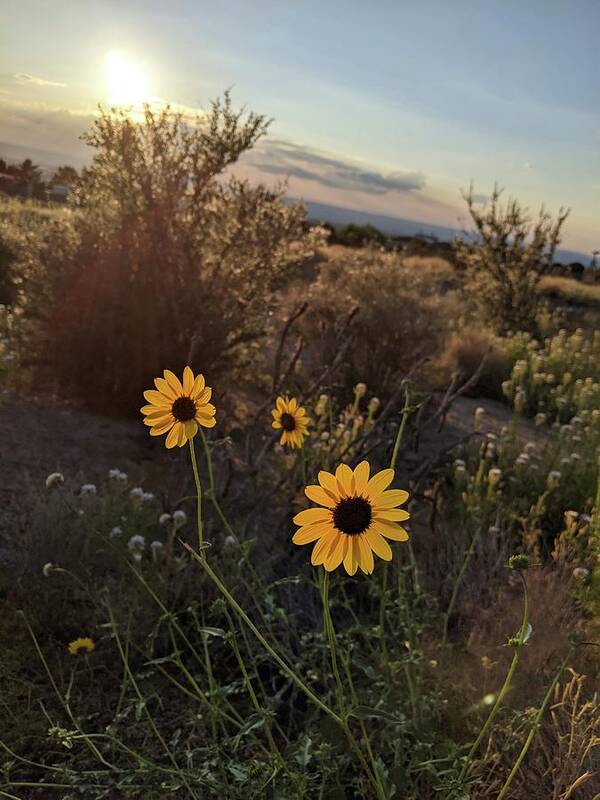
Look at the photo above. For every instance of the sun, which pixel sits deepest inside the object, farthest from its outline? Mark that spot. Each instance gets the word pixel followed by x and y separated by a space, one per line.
pixel 126 81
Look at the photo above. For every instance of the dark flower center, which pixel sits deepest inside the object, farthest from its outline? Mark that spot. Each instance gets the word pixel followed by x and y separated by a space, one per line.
pixel 184 409
pixel 288 422
pixel 352 515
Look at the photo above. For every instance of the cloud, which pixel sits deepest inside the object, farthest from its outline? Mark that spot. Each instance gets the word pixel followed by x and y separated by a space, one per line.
pixel 25 77
pixel 40 132
pixel 277 157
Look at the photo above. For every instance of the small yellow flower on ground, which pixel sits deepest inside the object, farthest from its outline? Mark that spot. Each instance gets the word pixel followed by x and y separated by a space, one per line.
pixel 177 408
pixel 81 644
pixel 292 419
pixel 355 517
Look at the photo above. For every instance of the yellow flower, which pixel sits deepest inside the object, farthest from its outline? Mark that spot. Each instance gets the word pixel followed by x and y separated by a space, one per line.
pixel 81 644
pixel 178 408
pixel 292 419
pixel 355 517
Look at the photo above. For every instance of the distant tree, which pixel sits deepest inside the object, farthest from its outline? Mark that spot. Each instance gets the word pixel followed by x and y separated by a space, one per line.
pixel 353 235
pixel 505 257
pixel 66 176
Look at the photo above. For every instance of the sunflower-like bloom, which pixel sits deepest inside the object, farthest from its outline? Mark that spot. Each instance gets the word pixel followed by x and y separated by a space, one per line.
pixel 81 644
pixel 291 419
pixel 177 408
pixel 355 517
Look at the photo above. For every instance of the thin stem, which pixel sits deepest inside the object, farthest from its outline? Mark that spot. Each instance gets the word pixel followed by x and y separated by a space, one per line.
pixel 253 697
pixel 507 681
pixel 534 727
pixel 459 578
pixel 330 631
pixel 405 415
pixel 62 700
pixel 198 496
pixel 141 698
pixel 201 559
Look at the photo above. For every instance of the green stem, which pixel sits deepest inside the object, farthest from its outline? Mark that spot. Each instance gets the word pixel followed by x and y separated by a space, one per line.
pixel 331 638
pixel 457 583
pixel 534 727
pixel 330 632
pixel 253 697
pixel 405 415
pixel 505 686
pixel 198 496
pixel 201 559
pixel 62 700
pixel 141 698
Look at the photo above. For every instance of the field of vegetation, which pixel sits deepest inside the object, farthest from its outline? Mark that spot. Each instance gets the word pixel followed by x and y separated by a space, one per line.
pixel 353 552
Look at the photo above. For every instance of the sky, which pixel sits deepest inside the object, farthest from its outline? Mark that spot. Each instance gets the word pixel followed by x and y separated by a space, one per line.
pixel 390 107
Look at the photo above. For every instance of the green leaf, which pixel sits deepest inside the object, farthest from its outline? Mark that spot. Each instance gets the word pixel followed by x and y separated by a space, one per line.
pixel 212 631
pixel 367 712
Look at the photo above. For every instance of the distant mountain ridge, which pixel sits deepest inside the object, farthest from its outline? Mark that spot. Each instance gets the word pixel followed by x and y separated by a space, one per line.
pixel 402 226
pixel 317 212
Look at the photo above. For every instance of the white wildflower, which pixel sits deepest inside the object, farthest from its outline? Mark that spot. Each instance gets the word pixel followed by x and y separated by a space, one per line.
pixel 54 479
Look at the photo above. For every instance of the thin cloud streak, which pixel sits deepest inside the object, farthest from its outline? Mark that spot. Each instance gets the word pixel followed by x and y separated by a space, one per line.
pixel 277 157
pixel 25 77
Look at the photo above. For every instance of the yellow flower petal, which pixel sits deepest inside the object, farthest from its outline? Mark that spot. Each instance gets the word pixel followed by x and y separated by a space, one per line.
pixel 310 533
pixel 203 396
pixel 206 422
pixel 389 499
pixel 157 399
pixel 191 428
pixel 379 545
pixel 310 515
pixel 351 557
pixel 318 495
pixel 171 439
pixel 158 430
pixel 188 381
pixel 276 425
pixel 173 382
pixel 380 482
pixel 322 548
pixel 361 477
pixel 164 388
pixel 337 553
pixel 159 421
pixel 329 483
pixel 395 514
pixel 366 563
pixel 181 435
pixel 390 530
pixel 198 386
pixel 344 477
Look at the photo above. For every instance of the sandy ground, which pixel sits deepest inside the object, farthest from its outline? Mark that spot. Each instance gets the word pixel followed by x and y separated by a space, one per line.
pixel 40 437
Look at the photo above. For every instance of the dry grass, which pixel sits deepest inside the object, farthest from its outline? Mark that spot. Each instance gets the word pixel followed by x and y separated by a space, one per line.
pixel 568 290
pixel 563 762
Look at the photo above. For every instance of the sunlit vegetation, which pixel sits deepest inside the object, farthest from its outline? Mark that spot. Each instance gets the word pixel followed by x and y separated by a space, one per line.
pixel 355 552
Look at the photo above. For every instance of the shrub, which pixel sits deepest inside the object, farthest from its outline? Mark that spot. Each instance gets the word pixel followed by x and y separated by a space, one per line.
pixel 464 353
pixel 174 262
pixel 404 311
pixel 505 259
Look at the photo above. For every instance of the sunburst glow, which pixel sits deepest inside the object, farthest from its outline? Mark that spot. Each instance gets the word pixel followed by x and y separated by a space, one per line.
pixel 126 81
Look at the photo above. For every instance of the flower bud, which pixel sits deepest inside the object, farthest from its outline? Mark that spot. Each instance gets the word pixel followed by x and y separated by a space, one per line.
pixel 518 562
pixel 54 479
pixel 179 518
